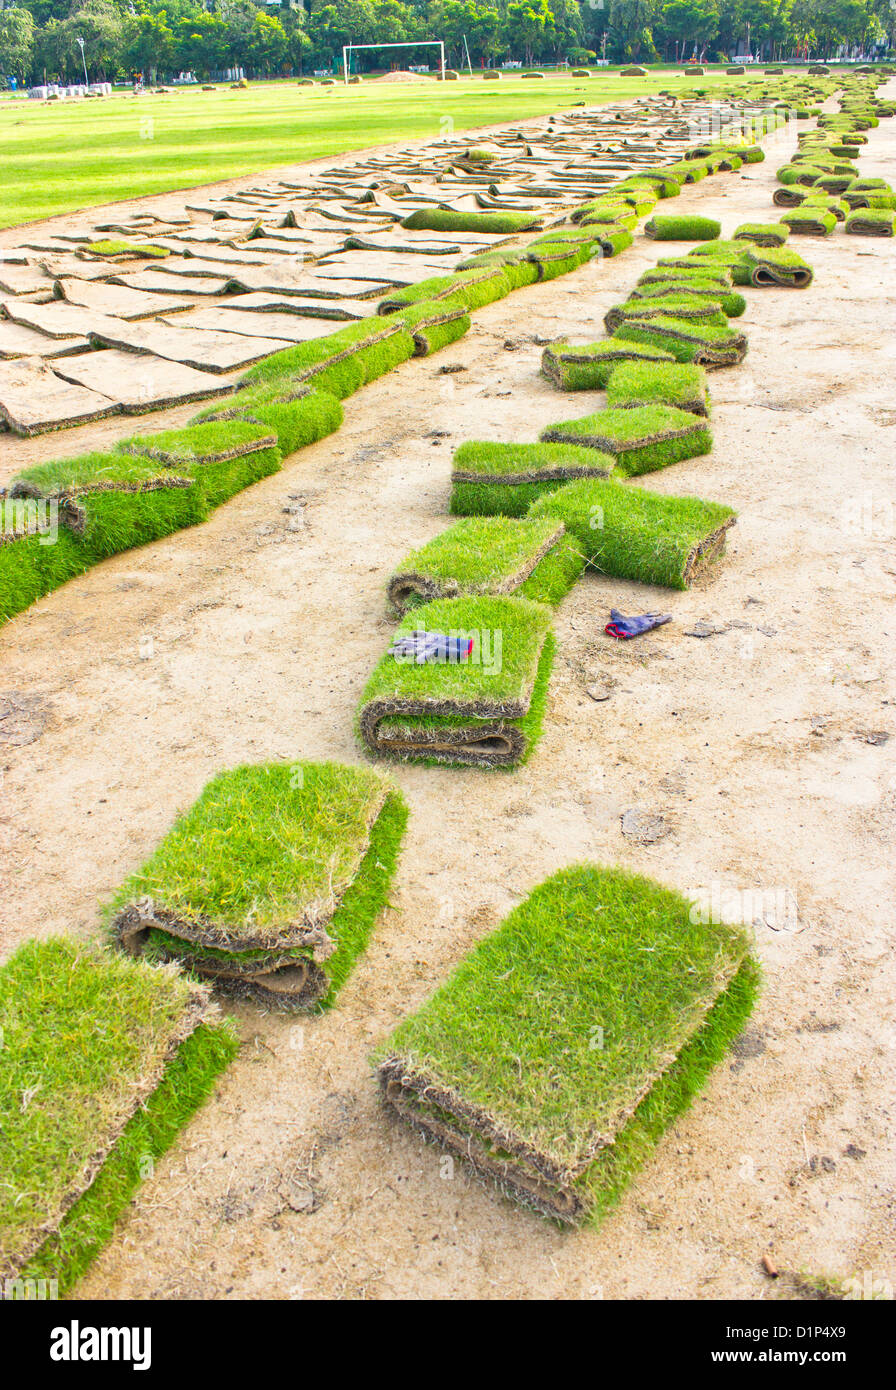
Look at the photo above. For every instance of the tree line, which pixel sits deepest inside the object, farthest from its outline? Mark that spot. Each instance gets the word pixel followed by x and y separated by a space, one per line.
pixel 162 38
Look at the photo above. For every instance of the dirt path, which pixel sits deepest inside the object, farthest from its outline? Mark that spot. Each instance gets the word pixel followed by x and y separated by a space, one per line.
pixel 243 640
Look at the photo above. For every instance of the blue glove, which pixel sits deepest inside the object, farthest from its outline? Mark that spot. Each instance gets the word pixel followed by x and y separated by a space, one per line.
pixel 624 627
pixel 421 646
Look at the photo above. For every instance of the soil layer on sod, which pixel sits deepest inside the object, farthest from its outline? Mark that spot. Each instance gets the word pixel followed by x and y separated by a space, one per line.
pixel 104 1061
pixel 269 885
pixel 630 533
pixel 491 479
pixel 640 439
pixel 501 1067
pixel 485 711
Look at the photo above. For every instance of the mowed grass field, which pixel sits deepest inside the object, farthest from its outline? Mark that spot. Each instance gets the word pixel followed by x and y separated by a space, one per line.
pixel 62 156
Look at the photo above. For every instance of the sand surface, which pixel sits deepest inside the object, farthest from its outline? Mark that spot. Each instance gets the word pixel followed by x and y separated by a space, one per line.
pixel 768 747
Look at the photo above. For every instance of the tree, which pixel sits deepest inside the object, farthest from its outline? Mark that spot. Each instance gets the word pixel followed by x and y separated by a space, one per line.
pixel 688 26
pixel 530 29
pixel 631 36
pixel 100 24
pixel 16 43
pixel 152 44
pixel 267 46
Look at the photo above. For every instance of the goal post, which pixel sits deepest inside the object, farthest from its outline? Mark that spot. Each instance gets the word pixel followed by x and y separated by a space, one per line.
pixel 349 48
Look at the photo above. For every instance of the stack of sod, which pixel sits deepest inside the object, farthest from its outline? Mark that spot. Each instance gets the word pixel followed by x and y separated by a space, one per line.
pixel 587 367
pixel 298 415
pixel 449 220
pixel 728 254
pixel 681 384
pixel 629 533
pixel 762 233
pixel 707 344
pixel 269 885
pixel 871 222
pixel 503 479
pixel 104 1062
pixel 809 220
pixel 485 711
pixel 698 309
pixel 656 286
pixel 612 214
pixel 500 1065
pixel 778 267
pixel 554 254
pixel 70 514
pixel 613 242
pixel 682 228
pixel 641 439
pixel 339 363
pixel 226 455
pixel 489 555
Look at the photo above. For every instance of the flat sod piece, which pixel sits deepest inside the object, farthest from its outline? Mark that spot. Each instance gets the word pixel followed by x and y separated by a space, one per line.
pixel 687 340
pixel 224 456
pixel 762 233
pixel 34 400
pixel 137 383
pixel 490 479
pixel 270 884
pixel 500 1065
pixel 479 555
pixel 663 228
pixel 485 711
pixel 587 367
pixel 105 1060
pixel 640 439
pixel 731 303
pixel 682 384
pixel 777 267
pixel 298 415
pixel 693 308
pixel 630 533
pixel 205 351
pixel 871 222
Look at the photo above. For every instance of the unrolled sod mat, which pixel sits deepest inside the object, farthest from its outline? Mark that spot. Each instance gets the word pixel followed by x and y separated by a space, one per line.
pixel 566 1043
pixel 485 711
pixel 103 1062
pixel 270 884
pixel 489 555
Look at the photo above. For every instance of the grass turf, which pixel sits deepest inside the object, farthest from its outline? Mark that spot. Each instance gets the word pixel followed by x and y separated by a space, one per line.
pixel 565 1043
pixel 587 367
pixel 484 712
pixel 762 233
pixel 681 384
pixel 697 309
pixel 630 533
pixel 491 479
pixel 262 886
pixel 809 220
pixel 450 220
pixel 871 222
pixel 225 456
pixel 777 267
pixel 478 555
pixel 641 439
pixel 339 363
pixel 664 286
pixel 661 228
pixel 297 417
pixel 88 1039
pixel 704 343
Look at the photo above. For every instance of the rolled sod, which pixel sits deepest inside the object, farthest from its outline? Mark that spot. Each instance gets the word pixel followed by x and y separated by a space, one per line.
pixel 297 416
pixel 553 258
pixel 804 174
pixel 681 384
pixel 641 439
pixel 827 202
pixel 694 308
pixel 688 341
pixel 339 363
pixel 613 243
pixel 871 222
pixel 479 555
pixel 434 326
pixel 778 267
pixel 270 884
pixel 790 196
pixel 869 200
pixel 667 286
pixel 448 220
pixel 224 456
pixel 105 1060
pixel 490 479
pixel 587 367
pixel 682 228
pixel 565 1044
pixel 483 712
pixel 762 233
pixel 471 288
pixel 630 533
pixel 809 221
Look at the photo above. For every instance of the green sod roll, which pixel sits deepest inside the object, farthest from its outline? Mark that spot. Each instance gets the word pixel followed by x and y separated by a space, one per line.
pixel 298 417
pixel 484 712
pixel 500 1065
pixel 682 228
pixel 681 384
pixel 630 533
pixel 114 1057
pixel 470 289
pixel 434 325
pixel 778 267
pixel 479 555
pixel 490 479
pixel 692 307
pixel 641 439
pixel 223 456
pixel 447 220
pixel 687 341
pixel 339 363
pixel 809 221
pixel 587 367
pixel 871 222
pixel 669 286
pixel 762 233
pixel 270 884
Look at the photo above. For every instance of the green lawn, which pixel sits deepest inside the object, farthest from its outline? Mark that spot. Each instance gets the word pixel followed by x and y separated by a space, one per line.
pixel 63 156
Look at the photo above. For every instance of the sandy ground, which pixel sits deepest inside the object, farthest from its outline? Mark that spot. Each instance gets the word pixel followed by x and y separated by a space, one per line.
pixel 245 639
